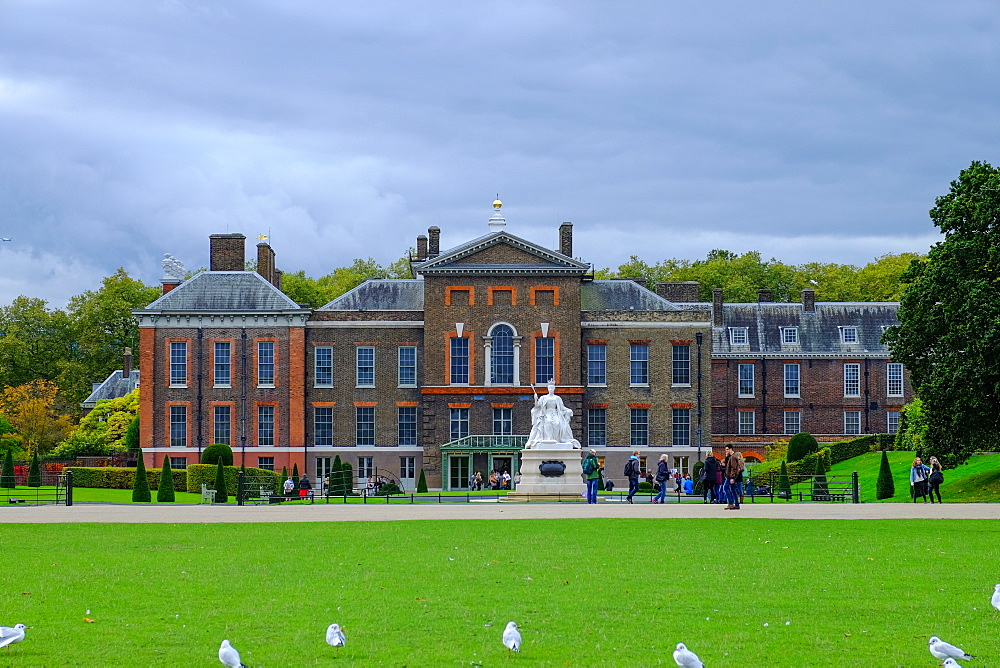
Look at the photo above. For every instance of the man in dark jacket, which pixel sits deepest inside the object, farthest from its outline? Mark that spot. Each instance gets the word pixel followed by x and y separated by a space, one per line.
pixel 709 472
pixel 632 473
pixel 734 470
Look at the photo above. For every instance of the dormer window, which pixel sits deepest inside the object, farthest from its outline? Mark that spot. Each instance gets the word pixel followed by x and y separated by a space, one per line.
pixel 790 336
pixel 738 336
pixel 849 334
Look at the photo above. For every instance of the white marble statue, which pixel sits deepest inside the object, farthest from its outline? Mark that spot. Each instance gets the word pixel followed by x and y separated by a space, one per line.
pixel 172 267
pixel 550 421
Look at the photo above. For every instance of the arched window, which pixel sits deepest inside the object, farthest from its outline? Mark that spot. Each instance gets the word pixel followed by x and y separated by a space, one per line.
pixel 502 362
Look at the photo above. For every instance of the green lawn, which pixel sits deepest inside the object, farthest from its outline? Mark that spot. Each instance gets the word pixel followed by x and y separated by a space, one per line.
pixel 586 592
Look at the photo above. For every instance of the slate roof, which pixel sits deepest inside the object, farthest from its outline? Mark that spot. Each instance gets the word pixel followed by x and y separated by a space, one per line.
pixel 819 332
pixel 550 261
pixel 116 385
pixel 224 291
pixel 621 295
pixel 389 294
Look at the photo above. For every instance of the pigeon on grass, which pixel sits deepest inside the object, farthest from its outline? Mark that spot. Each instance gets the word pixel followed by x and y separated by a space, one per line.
pixel 335 636
pixel 996 597
pixel 686 658
pixel 229 656
pixel 512 637
pixel 10 635
pixel 942 650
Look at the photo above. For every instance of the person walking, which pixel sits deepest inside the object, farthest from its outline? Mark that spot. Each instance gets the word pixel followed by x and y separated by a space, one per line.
pixel 592 474
pixel 632 473
pixel 662 476
pixel 709 472
pixel 918 479
pixel 305 487
pixel 733 471
pixel 935 480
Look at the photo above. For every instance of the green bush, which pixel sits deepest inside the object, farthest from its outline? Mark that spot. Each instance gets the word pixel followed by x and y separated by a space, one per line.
pixel 422 483
pixel 699 484
pixel 140 488
pixel 347 473
pixel 646 487
pixel 34 473
pixel 340 481
pixel 783 486
pixel 217 452
pixel 221 496
pixel 165 492
pixel 120 477
pixel 820 488
pixel 204 474
pixel 800 445
pixel 388 488
pixel 132 435
pixel 7 479
pixel 295 475
pixel 885 488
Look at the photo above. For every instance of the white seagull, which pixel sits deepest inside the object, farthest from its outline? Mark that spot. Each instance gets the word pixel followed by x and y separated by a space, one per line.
pixel 951 663
pixel 996 597
pixel 512 637
pixel 942 650
pixel 334 636
pixel 686 658
pixel 11 634
pixel 229 656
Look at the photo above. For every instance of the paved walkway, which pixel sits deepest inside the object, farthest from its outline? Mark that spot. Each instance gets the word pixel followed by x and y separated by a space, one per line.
pixel 373 512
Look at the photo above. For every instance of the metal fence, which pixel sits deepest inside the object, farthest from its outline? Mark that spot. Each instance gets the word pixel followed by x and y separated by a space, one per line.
pixel 53 488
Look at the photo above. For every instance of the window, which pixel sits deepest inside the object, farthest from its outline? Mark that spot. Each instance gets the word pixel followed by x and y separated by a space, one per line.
pixel 639 364
pixel 792 381
pixel 178 426
pixel 407 467
pixel 458 469
pixel 597 364
pixel 638 427
pixel 459 360
pixel 265 425
pixel 178 462
pixel 852 379
pixel 222 420
pixel 738 336
pixel 223 364
pixel 266 463
pixel 265 364
pixel 793 422
pixel 852 422
pixel 364 425
pixel 682 464
pixel 747 422
pixel 407 366
pixel 178 363
pixel 746 380
pixel 366 467
pixel 502 356
pixel 503 421
pixel 682 365
pixel 459 423
pixel 682 426
pixel 894 379
pixel 849 334
pixel 366 366
pixel 545 359
pixel 406 425
pixel 323 366
pixel 789 336
pixel 891 422
pixel 323 425
pixel 597 426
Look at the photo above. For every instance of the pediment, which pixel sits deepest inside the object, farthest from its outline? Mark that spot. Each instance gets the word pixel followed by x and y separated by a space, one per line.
pixel 501 252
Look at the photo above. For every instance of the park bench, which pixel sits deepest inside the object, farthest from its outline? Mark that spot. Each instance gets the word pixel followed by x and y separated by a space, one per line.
pixel 207 495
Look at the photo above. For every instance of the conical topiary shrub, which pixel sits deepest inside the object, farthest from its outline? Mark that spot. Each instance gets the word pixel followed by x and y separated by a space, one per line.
pixel 885 487
pixel 7 480
pixel 821 490
pixel 220 484
pixel 422 483
pixel 347 477
pixel 784 486
pixel 165 492
pixel 217 452
pixel 34 472
pixel 699 484
pixel 140 488
pixel 295 475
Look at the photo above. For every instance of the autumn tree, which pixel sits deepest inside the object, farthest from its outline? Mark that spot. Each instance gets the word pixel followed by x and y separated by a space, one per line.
pixel 104 429
pixel 31 409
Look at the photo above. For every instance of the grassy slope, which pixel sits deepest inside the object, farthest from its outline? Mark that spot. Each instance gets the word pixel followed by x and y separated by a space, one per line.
pixel 978 480
pixel 611 592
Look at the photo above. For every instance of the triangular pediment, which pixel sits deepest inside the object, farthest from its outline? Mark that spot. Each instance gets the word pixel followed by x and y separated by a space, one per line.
pixel 501 252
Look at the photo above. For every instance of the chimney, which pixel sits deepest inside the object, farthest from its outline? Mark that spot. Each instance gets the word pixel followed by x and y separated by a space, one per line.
pixel 434 245
pixel 809 300
pixel 265 262
pixel 169 284
pixel 679 291
pixel 277 278
pixel 717 307
pixel 566 239
pixel 764 295
pixel 421 247
pixel 127 364
pixel 228 253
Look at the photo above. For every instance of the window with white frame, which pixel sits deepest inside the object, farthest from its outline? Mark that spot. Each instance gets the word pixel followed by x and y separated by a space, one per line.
pixel 365 368
pixel 323 366
pixel 323 425
pixel 852 422
pixel 682 364
pixel 178 363
pixel 265 425
pixel 407 467
pixel 366 467
pixel 545 359
pixel 597 364
pixel 266 463
pixel 407 425
pixel 459 423
pixel 265 364
pixel 852 379
pixel 891 422
pixel 407 373
pixel 848 334
pixel 222 424
pixel 746 422
pixel 503 421
pixel 738 336
pixel 894 379
pixel 222 364
pixel 746 386
pixel 364 425
pixel 681 426
pixel 638 427
pixel 639 364
pixel 502 355
pixel 792 380
pixel 790 336
pixel 793 422
pixel 459 361
pixel 597 426
pixel 178 426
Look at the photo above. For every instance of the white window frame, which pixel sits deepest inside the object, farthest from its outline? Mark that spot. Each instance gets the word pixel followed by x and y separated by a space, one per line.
pixel 892 421
pixel 405 425
pixel 267 428
pixel 795 426
pixel 739 336
pixel 853 415
pixel 797 380
pixel 401 366
pixel 746 422
pixel 319 351
pixel 849 335
pixel 680 365
pixel 740 379
pixel 178 364
pixel 789 336
pixel 263 366
pixel 228 439
pixel 226 365
pixel 638 366
pixel 602 364
pixel 326 410
pixel 358 366
pixel 852 379
pixel 367 412
pixel 894 379
pixel 597 428
pixel 179 436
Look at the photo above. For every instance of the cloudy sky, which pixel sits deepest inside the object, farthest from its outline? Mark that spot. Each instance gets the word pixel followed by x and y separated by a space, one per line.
pixel 811 131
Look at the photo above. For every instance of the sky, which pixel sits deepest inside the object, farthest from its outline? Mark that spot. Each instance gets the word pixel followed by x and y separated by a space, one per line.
pixel 809 131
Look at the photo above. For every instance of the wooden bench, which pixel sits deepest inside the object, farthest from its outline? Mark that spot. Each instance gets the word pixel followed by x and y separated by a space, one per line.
pixel 207 495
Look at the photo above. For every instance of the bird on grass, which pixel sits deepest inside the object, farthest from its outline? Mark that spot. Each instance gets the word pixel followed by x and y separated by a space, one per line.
pixel 951 663
pixel 229 656
pixel 996 597
pixel 943 650
pixel 10 635
pixel 512 637
pixel 335 636
pixel 686 658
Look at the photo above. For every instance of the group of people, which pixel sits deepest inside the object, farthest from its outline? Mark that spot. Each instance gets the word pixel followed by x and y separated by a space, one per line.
pixel 305 487
pixel 722 481
pixel 498 480
pixel 926 480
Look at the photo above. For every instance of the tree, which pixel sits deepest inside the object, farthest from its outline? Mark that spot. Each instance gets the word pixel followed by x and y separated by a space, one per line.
pixel 7 478
pixel 36 344
pixel 949 320
pixel 699 484
pixel 885 487
pixel 165 492
pixel 31 409
pixel 221 496
pixel 421 483
pixel 140 489
pixel 217 453
pixel 800 445
pixel 34 472
pixel 8 434
pixel 105 429
pixel 295 475
pixel 820 488
pixel 912 430
pixel 783 485
pixel 132 433
pixel 317 292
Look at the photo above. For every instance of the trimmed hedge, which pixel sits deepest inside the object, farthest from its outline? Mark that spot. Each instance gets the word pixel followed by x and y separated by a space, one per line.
pixel 801 445
pixel 120 477
pixel 217 452
pixel 198 474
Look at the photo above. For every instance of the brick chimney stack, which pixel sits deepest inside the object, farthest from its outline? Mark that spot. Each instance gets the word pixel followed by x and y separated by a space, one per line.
pixel 421 247
pixel 434 245
pixel 566 239
pixel 265 262
pixel 717 307
pixel 764 295
pixel 809 300
pixel 227 252
pixel 127 363
pixel 679 291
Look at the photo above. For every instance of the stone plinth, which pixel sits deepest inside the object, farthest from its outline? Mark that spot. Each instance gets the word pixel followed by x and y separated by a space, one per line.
pixel 551 457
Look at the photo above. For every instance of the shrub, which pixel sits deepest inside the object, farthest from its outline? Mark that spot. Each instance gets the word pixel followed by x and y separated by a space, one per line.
pixel 646 487
pixel 295 475
pixel 422 483
pixel 132 435
pixel 165 493
pixel 220 484
pixel 885 488
pixel 34 473
pixel 119 477
pixel 340 480
pixel 7 473
pixel 699 484
pixel 783 486
pixel 388 488
pixel 217 452
pixel 777 451
pixel 347 474
pixel 140 490
pixel 204 474
pixel 820 489
pixel 800 445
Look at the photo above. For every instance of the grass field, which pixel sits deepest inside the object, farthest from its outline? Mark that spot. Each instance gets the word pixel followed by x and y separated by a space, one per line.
pixel 586 592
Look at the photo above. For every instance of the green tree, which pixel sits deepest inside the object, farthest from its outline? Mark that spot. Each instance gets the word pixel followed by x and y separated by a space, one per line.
pixel 221 495
pixel 885 487
pixel 699 484
pixel 34 472
pixel 216 453
pixel 347 475
pixel 317 292
pixel 37 344
pixel 105 429
pixel 949 320
pixel 820 488
pixel 800 445
pixel 140 489
pixel 8 434
pixel 7 479
pixel 784 485
pixel 912 432
pixel 421 483
pixel 295 475
pixel 165 492
pixel 132 433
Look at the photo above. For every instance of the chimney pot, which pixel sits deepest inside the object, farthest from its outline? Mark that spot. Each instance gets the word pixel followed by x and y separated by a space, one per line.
pixel 717 307
pixel 566 239
pixel 809 300
pixel 434 241
pixel 421 247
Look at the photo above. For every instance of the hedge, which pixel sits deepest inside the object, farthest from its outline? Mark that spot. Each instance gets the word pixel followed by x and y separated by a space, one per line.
pixel 120 477
pixel 204 474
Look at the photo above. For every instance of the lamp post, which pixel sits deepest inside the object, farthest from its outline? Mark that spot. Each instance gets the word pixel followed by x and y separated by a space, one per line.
pixel 698 339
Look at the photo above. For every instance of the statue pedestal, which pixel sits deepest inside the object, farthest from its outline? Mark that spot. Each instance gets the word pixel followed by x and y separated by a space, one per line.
pixel 550 468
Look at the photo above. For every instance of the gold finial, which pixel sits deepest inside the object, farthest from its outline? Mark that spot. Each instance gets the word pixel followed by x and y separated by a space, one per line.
pixel 497 203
